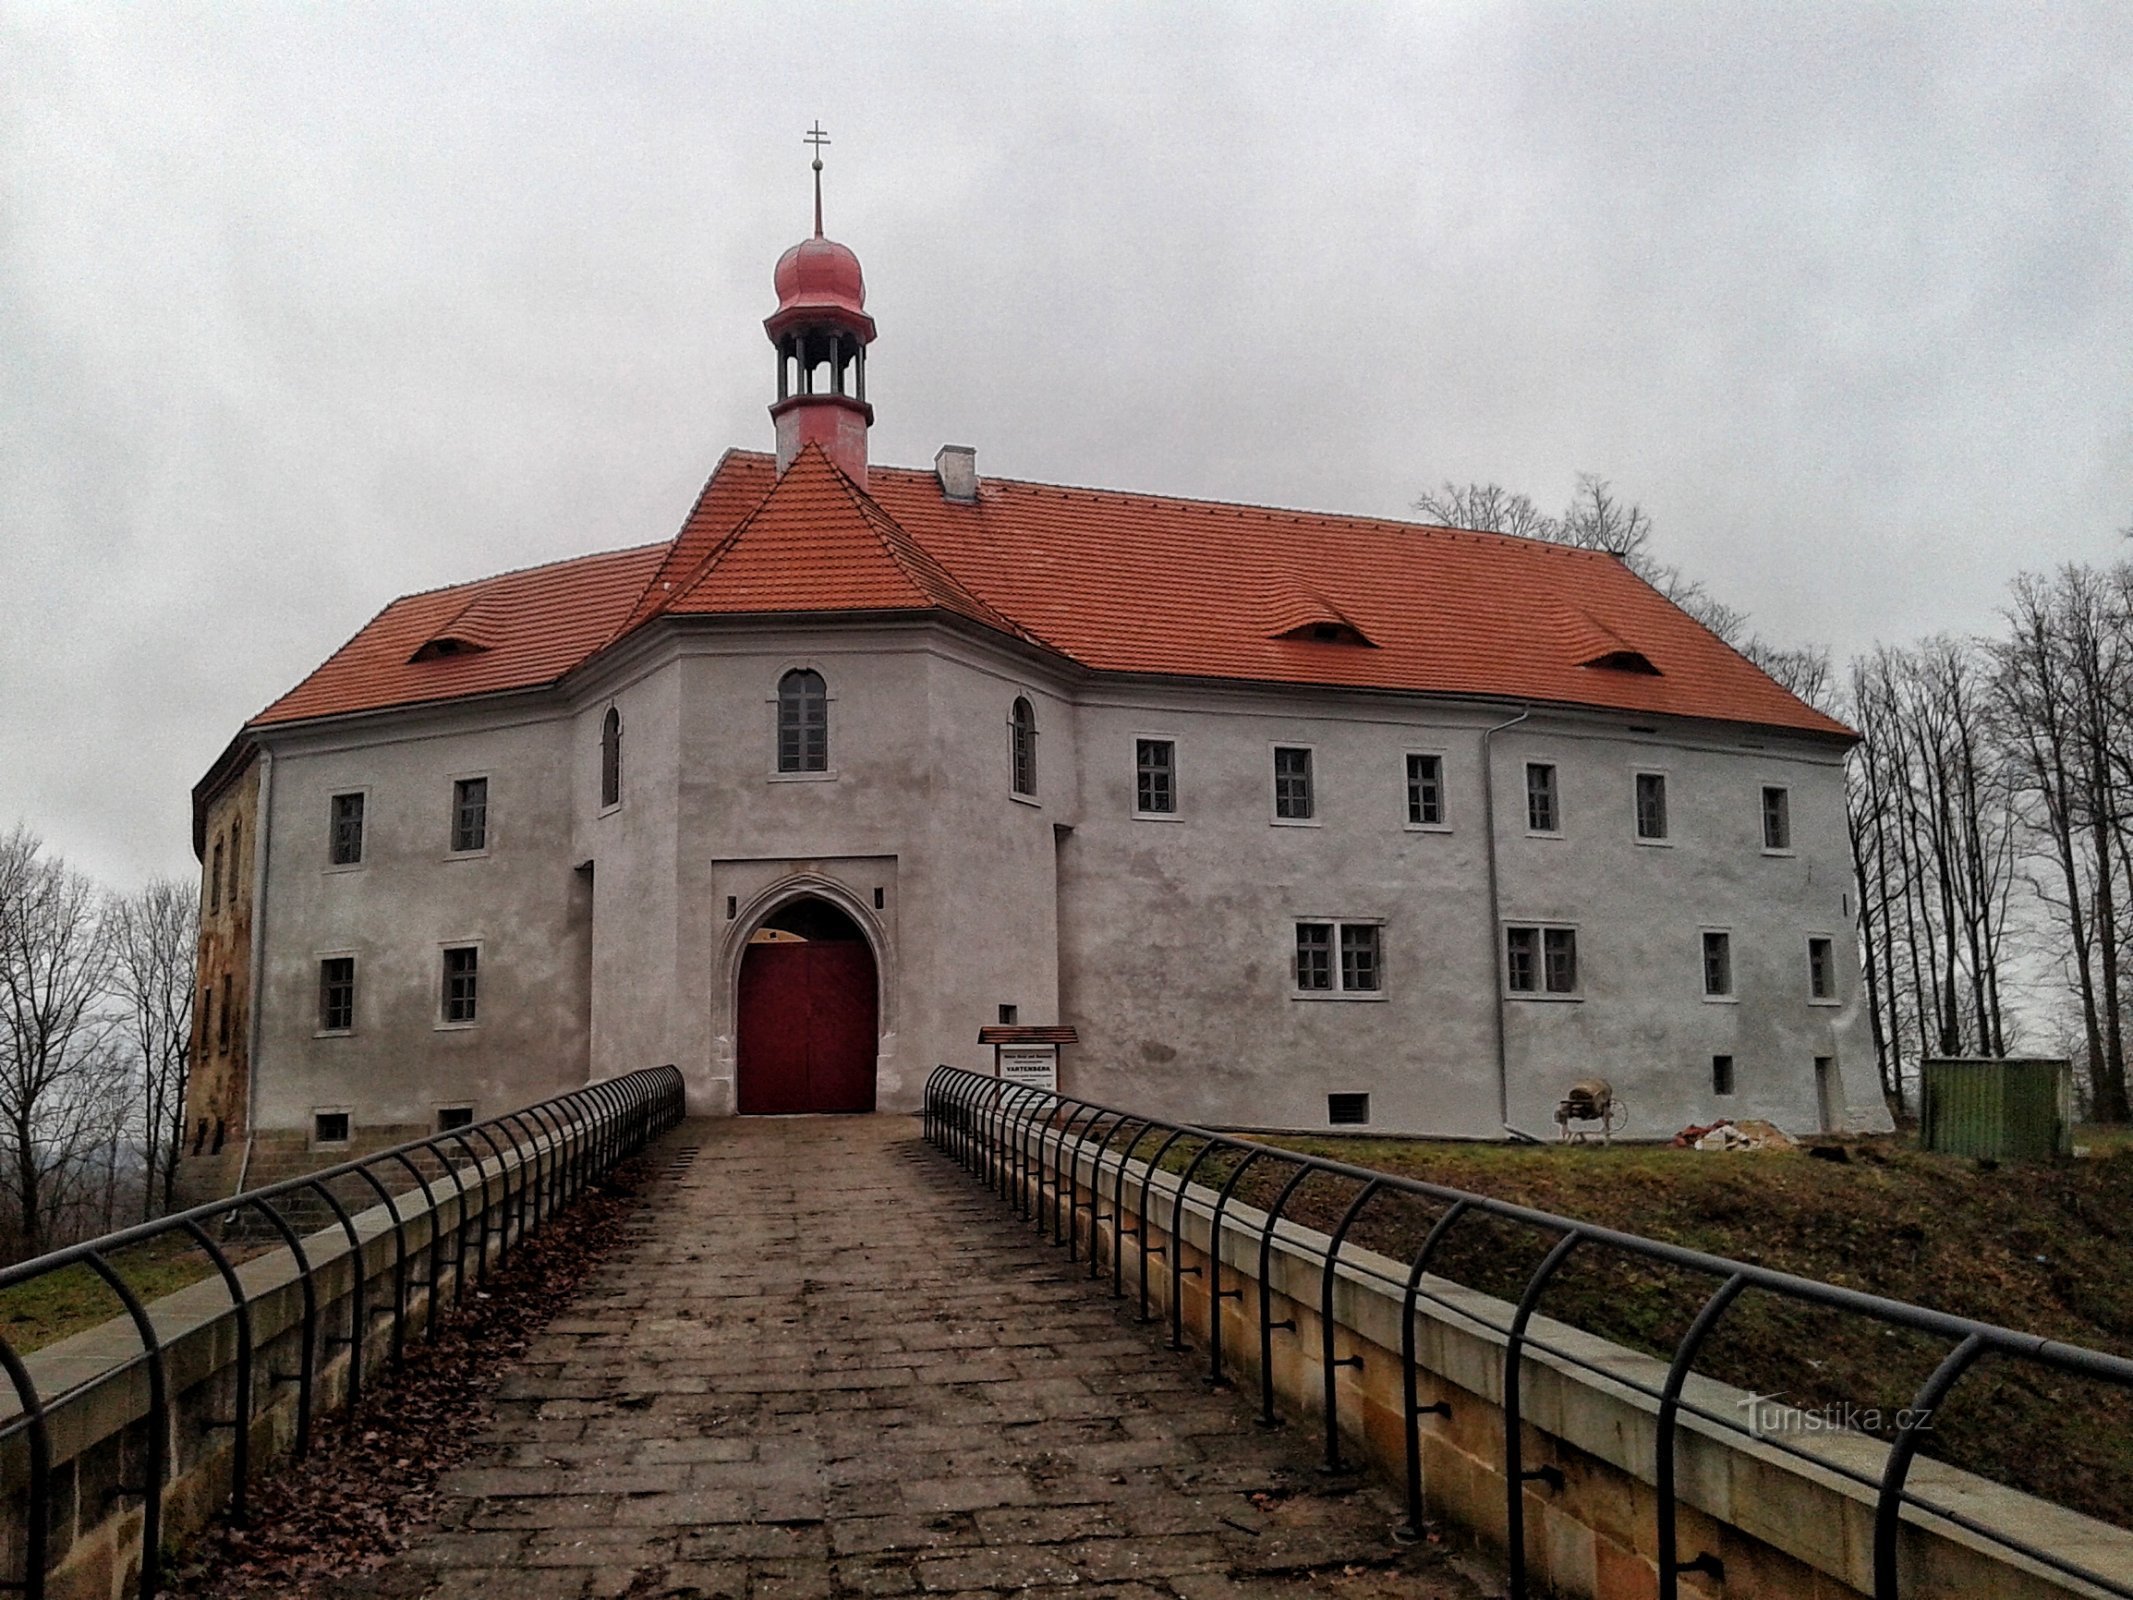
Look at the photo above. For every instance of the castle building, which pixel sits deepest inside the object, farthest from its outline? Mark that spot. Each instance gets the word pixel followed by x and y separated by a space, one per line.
pixel 1299 819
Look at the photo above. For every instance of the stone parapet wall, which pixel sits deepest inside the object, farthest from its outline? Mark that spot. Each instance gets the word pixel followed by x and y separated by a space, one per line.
pixel 1777 1523
pixel 96 1385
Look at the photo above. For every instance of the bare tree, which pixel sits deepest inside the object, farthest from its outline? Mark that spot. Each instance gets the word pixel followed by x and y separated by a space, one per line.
pixel 56 1064
pixel 154 932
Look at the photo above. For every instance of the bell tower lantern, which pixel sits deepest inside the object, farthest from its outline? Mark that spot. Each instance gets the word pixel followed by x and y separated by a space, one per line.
pixel 821 331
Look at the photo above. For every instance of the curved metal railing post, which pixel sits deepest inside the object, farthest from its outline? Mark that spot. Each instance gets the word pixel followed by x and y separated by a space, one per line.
pixel 1267 1415
pixel 1514 1473
pixel 1888 1507
pixel 307 1355
pixel 1412 1409
pixel 158 1451
pixel 37 1514
pixel 241 1397
pixel 1096 1196
pixel 399 1337
pixel 1169 1245
pixel 358 1291
pixel 1216 1294
pixel 1677 1377
pixel 429 1209
pixel 1328 1276
pixel 1178 1269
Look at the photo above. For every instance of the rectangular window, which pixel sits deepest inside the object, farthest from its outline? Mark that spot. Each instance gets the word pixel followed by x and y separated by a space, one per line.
pixel 1542 813
pixel 1821 969
pixel 1359 957
pixel 1559 960
pixel 450 1117
pixel 347 813
pixel 1360 967
pixel 1010 1015
pixel 460 983
pixel 1314 957
pixel 1541 960
pixel 1425 791
pixel 1777 819
pixel 336 994
pixel 1292 783
pixel 1718 965
pixel 1347 1110
pixel 1155 777
pixel 470 815
pixel 236 843
pixel 329 1127
pixel 1651 805
pixel 222 1022
pixel 1721 1075
pixel 214 880
pixel 1522 960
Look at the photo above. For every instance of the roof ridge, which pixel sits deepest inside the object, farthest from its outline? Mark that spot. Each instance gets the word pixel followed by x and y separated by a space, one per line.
pixel 1267 509
pixel 520 572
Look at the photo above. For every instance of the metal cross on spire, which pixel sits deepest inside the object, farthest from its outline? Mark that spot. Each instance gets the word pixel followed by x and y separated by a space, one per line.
pixel 816 137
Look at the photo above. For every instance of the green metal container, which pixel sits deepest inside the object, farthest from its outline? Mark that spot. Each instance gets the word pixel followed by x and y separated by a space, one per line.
pixel 2017 1109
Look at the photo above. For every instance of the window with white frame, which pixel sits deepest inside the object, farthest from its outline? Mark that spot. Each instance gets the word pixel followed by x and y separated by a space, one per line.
pixel 1543 813
pixel 1022 741
pixel 470 815
pixel 1425 791
pixel 1339 958
pixel 1293 800
pixel 1717 964
pixel 1540 960
pixel 336 994
pixel 803 721
pixel 1777 818
pixel 1821 969
pixel 1155 777
pixel 462 979
pixel 1651 806
pixel 611 758
pixel 345 847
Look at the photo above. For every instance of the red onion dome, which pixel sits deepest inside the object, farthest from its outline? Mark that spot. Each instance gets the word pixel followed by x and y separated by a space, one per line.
pixel 820 272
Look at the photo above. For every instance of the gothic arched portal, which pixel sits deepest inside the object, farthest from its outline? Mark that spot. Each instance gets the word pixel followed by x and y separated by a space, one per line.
pixel 809 1018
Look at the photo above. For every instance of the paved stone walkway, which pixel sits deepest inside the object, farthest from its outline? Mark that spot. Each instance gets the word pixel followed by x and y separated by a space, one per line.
pixel 825 1363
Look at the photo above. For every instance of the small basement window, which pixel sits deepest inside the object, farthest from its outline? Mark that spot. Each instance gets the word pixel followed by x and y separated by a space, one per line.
pixel 329 1127
pixel 1722 1075
pixel 450 1118
pixel 1347 1110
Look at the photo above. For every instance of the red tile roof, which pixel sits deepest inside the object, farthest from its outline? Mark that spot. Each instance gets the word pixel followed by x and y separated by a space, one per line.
pixel 1113 581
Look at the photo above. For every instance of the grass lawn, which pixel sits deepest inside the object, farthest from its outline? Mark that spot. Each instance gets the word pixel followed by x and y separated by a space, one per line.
pixel 49 1308
pixel 2046 1249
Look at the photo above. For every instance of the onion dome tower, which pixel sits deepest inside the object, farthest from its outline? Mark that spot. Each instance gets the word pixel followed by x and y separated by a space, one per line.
pixel 821 331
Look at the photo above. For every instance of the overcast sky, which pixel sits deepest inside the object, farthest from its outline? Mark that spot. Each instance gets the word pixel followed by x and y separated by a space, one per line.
pixel 304 307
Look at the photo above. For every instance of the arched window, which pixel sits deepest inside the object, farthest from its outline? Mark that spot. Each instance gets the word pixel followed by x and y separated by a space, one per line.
pixel 1022 738
pixel 611 758
pixel 803 722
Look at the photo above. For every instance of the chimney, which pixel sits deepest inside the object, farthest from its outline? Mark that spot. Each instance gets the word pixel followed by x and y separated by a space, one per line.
pixel 956 465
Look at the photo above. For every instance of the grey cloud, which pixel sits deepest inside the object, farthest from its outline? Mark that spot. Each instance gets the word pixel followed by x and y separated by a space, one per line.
pixel 301 309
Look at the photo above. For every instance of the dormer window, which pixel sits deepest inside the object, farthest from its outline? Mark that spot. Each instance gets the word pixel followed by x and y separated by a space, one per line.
pixel 1634 661
pixel 1328 631
pixel 445 645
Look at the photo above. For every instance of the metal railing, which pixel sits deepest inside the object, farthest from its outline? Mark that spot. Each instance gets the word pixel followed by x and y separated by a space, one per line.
pixel 519 1169
pixel 1031 1147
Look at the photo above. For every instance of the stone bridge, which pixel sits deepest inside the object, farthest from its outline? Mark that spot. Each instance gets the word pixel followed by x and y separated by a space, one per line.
pixel 822 1362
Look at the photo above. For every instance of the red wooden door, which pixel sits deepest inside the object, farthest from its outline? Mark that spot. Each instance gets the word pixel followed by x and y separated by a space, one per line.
pixel 808 1028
